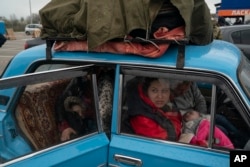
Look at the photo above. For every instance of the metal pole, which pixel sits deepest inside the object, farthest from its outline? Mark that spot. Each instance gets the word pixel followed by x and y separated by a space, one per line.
pixel 31 20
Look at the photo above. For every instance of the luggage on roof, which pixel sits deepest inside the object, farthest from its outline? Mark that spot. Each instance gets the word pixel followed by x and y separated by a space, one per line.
pixel 104 20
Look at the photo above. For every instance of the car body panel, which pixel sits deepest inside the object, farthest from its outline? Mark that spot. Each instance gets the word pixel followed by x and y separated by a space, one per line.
pixel 73 154
pixel 154 153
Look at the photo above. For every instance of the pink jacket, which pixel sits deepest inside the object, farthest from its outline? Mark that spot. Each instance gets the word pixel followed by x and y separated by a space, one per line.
pixel 202 134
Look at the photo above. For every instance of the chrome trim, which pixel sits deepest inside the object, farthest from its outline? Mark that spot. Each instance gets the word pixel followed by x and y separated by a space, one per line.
pixel 112 165
pixel 127 160
pixel 44 76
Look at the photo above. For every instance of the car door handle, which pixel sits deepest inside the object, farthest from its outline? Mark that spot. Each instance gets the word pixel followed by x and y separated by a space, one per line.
pixel 128 160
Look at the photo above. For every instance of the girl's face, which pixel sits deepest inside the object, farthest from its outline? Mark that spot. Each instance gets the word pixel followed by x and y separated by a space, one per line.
pixel 159 92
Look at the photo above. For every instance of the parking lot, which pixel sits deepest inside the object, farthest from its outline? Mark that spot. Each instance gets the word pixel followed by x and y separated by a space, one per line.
pixel 11 48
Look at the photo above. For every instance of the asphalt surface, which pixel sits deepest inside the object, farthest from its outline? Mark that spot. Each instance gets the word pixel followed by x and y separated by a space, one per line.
pixel 11 48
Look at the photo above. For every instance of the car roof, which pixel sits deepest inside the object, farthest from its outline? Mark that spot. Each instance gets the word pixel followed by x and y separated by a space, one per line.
pixel 219 56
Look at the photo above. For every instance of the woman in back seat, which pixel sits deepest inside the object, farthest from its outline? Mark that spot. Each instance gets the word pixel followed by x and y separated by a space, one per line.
pixel 149 109
pixel 75 111
pixel 81 88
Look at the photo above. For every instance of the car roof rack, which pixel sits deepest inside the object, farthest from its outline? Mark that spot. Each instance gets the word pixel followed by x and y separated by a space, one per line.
pixel 181 43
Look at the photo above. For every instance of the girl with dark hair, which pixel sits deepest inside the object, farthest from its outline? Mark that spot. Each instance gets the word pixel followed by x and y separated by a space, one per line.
pixel 75 110
pixel 150 112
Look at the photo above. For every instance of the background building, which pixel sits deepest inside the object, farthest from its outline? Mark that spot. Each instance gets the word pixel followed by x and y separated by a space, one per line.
pixel 234 10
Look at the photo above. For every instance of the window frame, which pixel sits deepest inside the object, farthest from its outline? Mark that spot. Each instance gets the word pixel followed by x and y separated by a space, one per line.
pixel 216 79
pixel 20 82
pixel 241 37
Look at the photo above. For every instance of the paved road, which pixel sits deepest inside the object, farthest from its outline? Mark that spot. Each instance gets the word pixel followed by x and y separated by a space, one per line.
pixel 11 48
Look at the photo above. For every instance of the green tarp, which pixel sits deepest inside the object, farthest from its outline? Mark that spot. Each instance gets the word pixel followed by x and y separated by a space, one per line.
pixel 101 20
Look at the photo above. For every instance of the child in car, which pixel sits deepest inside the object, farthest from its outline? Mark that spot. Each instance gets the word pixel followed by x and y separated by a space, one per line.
pixel 78 121
pixel 196 127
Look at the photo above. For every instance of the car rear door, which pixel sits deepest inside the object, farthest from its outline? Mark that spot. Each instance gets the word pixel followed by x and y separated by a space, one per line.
pixel 128 149
pixel 88 150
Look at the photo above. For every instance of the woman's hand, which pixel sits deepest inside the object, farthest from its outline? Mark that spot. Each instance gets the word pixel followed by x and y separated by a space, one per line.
pixel 66 134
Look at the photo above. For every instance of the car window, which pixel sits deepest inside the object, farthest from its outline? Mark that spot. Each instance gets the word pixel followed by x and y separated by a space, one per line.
pixel 243 74
pixel 245 36
pixel 54 106
pixel 241 37
pixel 174 108
pixel 236 36
pixel 230 120
pixel 59 107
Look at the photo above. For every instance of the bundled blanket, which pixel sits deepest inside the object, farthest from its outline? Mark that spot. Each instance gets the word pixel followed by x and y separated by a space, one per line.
pixel 147 49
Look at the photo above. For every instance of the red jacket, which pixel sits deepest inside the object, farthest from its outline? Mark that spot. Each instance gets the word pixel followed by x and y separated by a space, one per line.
pixel 147 127
pixel 142 124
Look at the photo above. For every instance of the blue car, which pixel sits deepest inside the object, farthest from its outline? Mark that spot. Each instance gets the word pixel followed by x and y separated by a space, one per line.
pixel 36 83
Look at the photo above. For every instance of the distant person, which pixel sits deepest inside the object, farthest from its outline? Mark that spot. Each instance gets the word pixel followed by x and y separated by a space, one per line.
pixel 2 40
pixel 2 33
pixel 216 30
pixel 222 22
pixel 238 21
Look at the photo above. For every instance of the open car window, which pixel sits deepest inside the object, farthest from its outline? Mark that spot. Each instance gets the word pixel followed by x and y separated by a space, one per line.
pixel 49 109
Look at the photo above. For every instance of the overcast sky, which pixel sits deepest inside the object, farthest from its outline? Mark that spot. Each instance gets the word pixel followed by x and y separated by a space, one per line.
pixel 21 8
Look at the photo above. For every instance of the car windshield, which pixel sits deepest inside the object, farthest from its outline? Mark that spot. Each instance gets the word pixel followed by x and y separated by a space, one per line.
pixel 244 73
